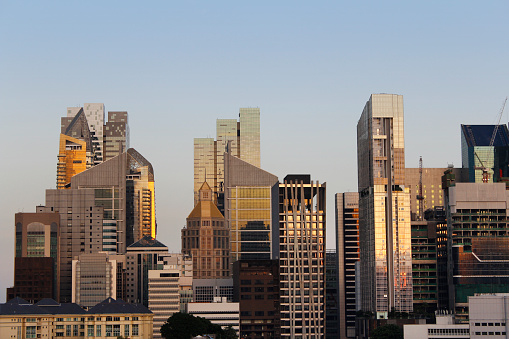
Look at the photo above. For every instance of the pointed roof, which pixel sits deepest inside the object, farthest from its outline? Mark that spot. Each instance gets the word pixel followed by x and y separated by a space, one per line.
pixel 112 306
pixel 205 187
pixel 18 301
pixel 205 207
pixel 78 128
pixel 147 241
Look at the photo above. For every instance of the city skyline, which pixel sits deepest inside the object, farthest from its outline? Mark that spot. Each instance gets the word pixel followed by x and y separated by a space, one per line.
pixel 302 65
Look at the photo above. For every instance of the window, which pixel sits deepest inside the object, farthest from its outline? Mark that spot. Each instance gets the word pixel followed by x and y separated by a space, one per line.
pixel 30 332
pixel 135 329
pixel 59 334
pixel 75 330
pixel 68 330
pixel 90 330
pixel 109 330
pixel 116 318
pixel 126 330
pixel 98 331
pixel 116 330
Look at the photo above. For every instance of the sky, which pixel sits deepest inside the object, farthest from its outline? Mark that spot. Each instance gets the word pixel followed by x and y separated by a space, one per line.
pixel 177 66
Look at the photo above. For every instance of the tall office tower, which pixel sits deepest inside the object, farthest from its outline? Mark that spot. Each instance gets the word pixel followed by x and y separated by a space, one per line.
pixel 424 267
pixel 75 153
pixel 93 211
pixel 302 257
pixel 36 256
pixel 347 245
pixel 169 288
pixel 250 208
pixel 431 187
pixel 243 136
pixel 116 135
pixel 485 163
pixel 331 295
pixel 256 289
pixel 250 135
pixel 435 219
pixel 384 207
pixel 95 118
pixel 140 197
pixel 142 256
pixel 206 238
pixel 477 242
pixel 94 278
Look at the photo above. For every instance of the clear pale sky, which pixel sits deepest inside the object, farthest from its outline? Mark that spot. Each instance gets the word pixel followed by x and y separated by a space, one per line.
pixel 178 66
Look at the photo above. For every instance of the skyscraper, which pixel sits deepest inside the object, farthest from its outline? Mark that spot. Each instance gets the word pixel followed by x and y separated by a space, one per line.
pixel 106 208
pixel 347 244
pixel 302 257
pixel 486 160
pixel 384 207
pixel 250 209
pixel 243 136
pixel 206 238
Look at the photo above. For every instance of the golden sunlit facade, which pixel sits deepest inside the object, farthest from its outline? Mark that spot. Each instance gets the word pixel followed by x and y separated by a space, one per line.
pixel 249 210
pixel 206 238
pixel 302 257
pixel 384 208
pixel 72 159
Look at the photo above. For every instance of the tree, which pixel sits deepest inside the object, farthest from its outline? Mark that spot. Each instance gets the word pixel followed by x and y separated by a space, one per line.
pixel 389 331
pixel 184 326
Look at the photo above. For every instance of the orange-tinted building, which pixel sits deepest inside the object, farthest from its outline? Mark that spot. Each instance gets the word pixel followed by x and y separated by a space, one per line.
pixel 207 239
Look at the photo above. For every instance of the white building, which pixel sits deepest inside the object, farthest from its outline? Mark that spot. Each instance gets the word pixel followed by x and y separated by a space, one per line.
pixel 219 312
pixel 168 288
pixel 489 315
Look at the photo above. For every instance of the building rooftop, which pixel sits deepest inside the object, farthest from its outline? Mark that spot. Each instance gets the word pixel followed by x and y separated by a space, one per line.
pixel 480 135
pixel 147 241
pixel 112 306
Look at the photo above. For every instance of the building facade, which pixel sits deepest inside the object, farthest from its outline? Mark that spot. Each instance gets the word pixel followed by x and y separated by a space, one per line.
pixel 142 256
pixel 256 289
pixel 477 242
pixel 250 208
pixel 384 207
pixel 206 238
pixel 169 288
pixel 243 138
pixel 302 257
pixel 485 152
pixel 347 245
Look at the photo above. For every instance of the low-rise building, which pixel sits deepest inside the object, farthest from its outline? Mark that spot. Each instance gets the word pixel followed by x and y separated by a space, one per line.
pixel 50 319
pixel 220 312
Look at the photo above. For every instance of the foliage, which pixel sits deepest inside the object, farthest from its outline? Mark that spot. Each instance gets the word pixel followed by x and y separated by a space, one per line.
pixel 183 326
pixel 389 331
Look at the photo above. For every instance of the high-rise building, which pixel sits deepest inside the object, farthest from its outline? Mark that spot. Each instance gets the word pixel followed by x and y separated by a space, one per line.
pixel 331 295
pixel 432 194
pixel 250 208
pixel 95 278
pixel 142 256
pixel 477 242
pixel 302 257
pixel 94 210
pixel 256 289
pixel 243 138
pixel 384 207
pixel 37 237
pixel 76 152
pixel 116 135
pixel 347 244
pixel 485 152
pixel 206 238
pixel 169 288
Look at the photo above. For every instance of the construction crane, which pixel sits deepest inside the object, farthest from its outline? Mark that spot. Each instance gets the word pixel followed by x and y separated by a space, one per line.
pixel 420 197
pixel 485 172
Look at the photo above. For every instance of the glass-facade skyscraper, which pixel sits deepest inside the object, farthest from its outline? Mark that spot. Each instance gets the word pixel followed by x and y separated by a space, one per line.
pixel 384 207
pixel 243 140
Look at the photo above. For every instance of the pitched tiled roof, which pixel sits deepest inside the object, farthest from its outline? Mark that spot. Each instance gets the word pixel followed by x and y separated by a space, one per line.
pixel 112 306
